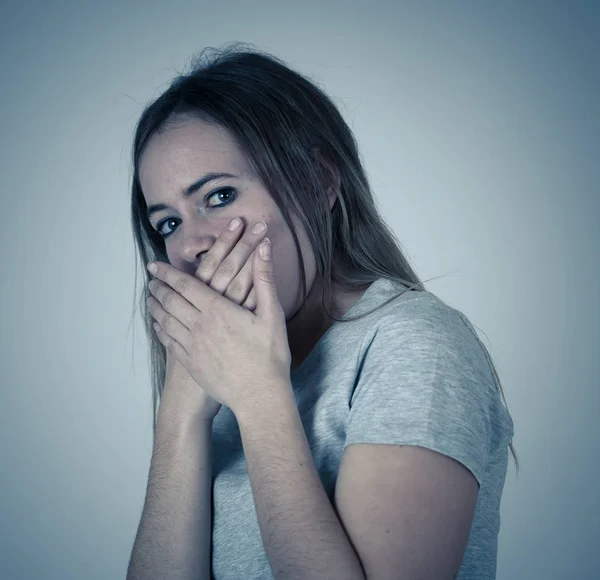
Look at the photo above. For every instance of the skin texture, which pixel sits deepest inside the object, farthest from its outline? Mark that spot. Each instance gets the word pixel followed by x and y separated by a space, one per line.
pixel 174 159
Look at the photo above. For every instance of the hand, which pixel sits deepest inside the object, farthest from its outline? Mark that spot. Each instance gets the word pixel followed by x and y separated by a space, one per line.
pixel 228 266
pixel 237 356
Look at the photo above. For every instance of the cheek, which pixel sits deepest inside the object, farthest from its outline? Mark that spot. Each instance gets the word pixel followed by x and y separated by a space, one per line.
pixel 287 272
pixel 285 255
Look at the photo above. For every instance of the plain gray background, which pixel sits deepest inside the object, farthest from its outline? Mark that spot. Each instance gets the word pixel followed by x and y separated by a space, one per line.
pixel 478 123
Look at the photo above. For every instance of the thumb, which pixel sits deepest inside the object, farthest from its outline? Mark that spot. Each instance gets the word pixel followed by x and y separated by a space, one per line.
pixel 263 273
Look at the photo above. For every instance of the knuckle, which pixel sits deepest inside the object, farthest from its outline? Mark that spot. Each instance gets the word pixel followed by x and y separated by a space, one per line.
pixel 203 274
pixel 268 276
pixel 181 285
pixel 236 289
pixel 167 322
pixel 167 300
pixel 204 277
pixel 225 270
pixel 208 264
pixel 248 242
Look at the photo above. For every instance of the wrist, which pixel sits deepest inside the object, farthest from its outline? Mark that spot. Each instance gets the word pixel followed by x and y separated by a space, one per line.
pixel 279 395
pixel 177 409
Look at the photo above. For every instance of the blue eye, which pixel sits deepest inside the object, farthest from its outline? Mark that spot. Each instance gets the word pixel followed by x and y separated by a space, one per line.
pixel 229 192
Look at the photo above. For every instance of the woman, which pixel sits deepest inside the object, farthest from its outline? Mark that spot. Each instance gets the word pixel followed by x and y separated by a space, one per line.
pixel 361 432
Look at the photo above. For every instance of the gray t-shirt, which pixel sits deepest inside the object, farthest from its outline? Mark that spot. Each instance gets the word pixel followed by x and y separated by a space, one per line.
pixel 412 373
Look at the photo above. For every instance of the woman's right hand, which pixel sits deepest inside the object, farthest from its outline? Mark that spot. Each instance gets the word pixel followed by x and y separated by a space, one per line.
pixel 227 269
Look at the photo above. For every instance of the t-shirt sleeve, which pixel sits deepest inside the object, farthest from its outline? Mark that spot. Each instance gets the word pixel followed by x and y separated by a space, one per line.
pixel 425 380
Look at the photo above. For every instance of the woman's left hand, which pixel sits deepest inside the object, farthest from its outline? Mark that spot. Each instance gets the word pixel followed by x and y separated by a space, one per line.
pixel 235 355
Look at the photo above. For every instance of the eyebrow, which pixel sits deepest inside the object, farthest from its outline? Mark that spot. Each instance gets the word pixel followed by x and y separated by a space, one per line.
pixel 190 190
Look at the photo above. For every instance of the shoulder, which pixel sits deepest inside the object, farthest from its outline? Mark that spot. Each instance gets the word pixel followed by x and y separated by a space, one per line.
pixel 419 324
pixel 424 380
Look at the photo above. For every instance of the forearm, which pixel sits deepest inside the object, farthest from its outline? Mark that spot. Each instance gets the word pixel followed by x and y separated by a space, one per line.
pixel 301 533
pixel 174 535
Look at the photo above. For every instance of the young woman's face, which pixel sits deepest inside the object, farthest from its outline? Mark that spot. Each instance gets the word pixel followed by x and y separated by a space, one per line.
pixel 182 155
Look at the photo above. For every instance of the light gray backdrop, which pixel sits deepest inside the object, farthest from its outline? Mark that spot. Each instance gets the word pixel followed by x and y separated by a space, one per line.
pixel 478 123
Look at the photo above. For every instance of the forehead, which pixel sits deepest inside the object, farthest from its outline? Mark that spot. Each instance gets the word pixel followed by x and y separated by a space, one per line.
pixel 184 151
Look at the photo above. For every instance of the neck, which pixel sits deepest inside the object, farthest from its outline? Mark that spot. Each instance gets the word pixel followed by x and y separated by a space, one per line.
pixel 307 326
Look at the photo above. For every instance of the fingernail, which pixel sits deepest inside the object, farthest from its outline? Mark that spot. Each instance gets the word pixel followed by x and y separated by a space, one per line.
pixel 234 224
pixel 259 227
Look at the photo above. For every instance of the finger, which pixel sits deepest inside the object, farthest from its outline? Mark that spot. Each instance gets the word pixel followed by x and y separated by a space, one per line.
pixel 250 303
pixel 168 323
pixel 173 303
pixel 242 284
pixel 196 294
pixel 236 259
pixel 171 345
pixel 217 253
